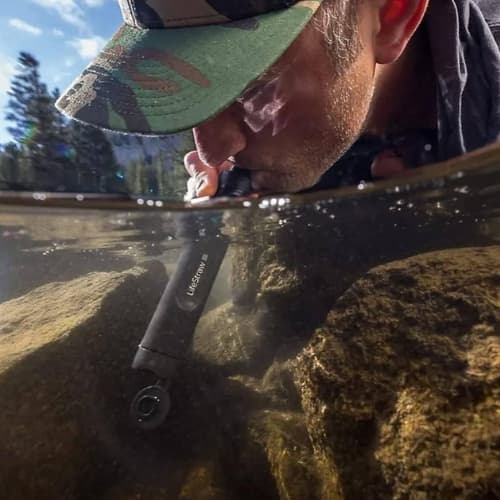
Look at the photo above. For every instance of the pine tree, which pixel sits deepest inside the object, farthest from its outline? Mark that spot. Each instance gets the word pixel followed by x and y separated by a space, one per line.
pixel 32 115
pixel 15 171
pixel 162 180
pixel 175 147
pixel 51 153
pixel 95 166
pixel 136 178
pixel 25 87
pixel 170 173
pixel 62 153
pixel 9 159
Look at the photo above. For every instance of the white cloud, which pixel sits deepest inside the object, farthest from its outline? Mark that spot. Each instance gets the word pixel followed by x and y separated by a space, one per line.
pixel 68 62
pixel 93 3
pixel 57 33
pixel 68 10
pixel 88 48
pixel 19 24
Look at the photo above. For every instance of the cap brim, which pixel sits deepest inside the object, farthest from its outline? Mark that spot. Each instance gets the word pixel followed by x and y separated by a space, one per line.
pixel 162 81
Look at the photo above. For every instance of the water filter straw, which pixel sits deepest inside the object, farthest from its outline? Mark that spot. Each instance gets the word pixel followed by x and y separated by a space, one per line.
pixel 171 329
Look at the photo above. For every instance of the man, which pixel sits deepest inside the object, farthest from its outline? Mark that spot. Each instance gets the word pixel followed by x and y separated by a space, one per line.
pixel 288 88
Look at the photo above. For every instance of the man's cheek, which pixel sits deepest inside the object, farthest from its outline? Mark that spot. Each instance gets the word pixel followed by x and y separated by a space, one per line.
pixel 281 122
pixel 264 108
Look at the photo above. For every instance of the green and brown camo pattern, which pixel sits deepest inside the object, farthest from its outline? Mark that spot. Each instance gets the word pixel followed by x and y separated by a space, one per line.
pixel 114 88
pixel 175 13
pixel 97 90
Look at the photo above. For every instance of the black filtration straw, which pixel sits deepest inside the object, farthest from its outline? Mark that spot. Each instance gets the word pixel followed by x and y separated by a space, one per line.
pixel 170 331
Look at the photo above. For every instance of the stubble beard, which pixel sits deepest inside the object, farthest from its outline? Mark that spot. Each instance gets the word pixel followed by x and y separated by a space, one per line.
pixel 350 97
pixel 348 102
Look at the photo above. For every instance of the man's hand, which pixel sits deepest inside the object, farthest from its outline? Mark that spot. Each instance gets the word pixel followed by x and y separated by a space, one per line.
pixel 204 179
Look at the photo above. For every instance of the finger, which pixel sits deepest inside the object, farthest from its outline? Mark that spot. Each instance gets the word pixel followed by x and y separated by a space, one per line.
pixel 190 189
pixel 225 165
pixel 207 182
pixel 205 177
pixel 193 163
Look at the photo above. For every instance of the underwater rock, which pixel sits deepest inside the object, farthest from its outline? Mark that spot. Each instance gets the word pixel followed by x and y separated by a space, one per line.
pixel 244 280
pixel 283 436
pixel 202 483
pixel 66 386
pixel 267 451
pixel 228 338
pixel 401 385
pixel 65 355
pixel 237 341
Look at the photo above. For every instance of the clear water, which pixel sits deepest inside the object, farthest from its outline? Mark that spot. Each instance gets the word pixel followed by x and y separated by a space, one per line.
pixel 313 373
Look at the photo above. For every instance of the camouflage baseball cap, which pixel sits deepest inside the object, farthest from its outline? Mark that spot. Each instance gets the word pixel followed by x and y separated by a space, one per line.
pixel 177 63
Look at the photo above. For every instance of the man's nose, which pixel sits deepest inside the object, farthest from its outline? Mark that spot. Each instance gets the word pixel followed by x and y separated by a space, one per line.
pixel 220 137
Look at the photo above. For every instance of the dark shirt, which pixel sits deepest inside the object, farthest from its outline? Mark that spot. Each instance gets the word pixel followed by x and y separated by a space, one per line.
pixel 464 37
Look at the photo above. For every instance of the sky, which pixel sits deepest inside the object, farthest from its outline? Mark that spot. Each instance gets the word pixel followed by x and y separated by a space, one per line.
pixel 64 35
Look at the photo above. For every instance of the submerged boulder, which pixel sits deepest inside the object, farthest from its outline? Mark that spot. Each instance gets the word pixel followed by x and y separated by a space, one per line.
pixel 66 387
pixel 395 396
pixel 65 355
pixel 227 338
pixel 401 386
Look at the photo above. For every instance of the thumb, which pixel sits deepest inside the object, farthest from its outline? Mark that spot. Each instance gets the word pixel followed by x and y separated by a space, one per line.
pixel 204 178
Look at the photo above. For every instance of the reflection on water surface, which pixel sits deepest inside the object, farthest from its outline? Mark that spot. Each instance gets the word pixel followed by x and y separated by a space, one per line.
pixel 349 348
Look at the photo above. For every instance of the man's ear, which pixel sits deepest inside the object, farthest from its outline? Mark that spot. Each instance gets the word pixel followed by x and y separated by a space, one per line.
pixel 398 21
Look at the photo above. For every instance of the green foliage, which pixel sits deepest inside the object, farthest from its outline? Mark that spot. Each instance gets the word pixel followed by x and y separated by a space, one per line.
pixel 160 174
pixel 171 175
pixel 136 178
pixel 93 158
pixel 15 168
pixel 50 153
pixel 28 96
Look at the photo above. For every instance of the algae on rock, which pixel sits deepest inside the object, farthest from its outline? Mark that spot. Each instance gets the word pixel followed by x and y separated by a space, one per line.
pixel 65 355
pixel 401 385
pixel 396 394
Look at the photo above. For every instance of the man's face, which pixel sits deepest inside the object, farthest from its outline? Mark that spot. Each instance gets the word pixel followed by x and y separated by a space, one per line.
pixel 295 121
